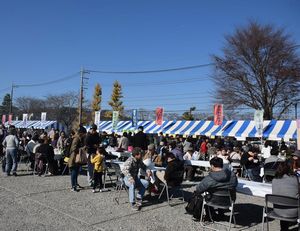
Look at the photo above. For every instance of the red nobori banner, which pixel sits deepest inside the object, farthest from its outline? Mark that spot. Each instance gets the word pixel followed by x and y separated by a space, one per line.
pixel 159 112
pixel 10 119
pixel 218 114
pixel 3 119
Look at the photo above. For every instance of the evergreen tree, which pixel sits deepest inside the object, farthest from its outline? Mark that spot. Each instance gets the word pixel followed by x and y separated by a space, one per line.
pixel 115 102
pixel 188 114
pixel 97 98
pixel 4 108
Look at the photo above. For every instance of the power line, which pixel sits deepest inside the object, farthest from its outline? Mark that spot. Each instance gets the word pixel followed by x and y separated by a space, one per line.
pixel 146 97
pixel 153 71
pixel 48 82
pixel 158 83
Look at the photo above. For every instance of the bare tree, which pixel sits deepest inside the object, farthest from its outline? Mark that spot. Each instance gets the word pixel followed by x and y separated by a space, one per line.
pixel 259 69
pixel 30 105
pixel 63 107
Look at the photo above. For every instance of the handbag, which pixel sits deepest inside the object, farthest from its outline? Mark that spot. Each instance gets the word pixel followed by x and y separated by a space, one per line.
pixel 194 205
pixel 81 157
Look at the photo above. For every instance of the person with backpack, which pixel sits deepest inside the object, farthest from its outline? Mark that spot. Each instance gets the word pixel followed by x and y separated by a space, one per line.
pixel 98 162
pixel 11 145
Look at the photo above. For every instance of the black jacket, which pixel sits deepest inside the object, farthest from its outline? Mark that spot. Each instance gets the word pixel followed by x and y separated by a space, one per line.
pixel 91 141
pixel 173 173
pixel 47 151
pixel 140 140
pixel 248 164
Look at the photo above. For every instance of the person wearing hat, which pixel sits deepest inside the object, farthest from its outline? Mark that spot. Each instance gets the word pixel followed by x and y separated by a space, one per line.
pixel 92 141
pixel 131 170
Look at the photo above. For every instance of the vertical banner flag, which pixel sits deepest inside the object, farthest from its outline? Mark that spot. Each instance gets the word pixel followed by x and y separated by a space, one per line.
pixel 298 134
pixel 97 117
pixel 10 119
pixel 43 118
pixel 134 118
pixel 218 114
pixel 259 121
pixel 159 115
pixel 115 120
pixel 25 118
pixel 3 119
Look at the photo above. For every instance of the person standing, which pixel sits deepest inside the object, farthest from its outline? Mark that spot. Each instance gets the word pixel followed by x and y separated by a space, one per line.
pixel 98 161
pixel 204 148
pixel 29 149
pixel 77 143
pixel 11 144
pixel 62 141
pixel 92 141
pixel 140 139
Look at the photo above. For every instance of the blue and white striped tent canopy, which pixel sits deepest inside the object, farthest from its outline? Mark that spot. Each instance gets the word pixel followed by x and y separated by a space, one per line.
pixel 37 124
pixel 273 129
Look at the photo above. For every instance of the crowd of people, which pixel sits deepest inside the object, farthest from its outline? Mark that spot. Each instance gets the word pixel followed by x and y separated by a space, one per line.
pixel 228 159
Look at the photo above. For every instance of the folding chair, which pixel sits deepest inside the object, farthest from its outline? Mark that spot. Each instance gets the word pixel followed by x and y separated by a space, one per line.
pixel 270 171
pixel 66 160
pixel 24 158
pixel 120 183
pixel 108 172
pixel 226 204
pixel 47 169
pixel 245 173
pixel 284 202
pixel 166 187
pixel 236 166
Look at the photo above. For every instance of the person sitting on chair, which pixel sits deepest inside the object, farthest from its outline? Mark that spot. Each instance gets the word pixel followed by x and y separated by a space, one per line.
pixel 130 170
pixel 168 176
pixel 285 183
pixel 218 178
pixel 252 165
pixel 271 164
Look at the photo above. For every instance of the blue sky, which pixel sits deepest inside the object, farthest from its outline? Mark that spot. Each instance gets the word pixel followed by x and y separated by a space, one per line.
pixel 45 40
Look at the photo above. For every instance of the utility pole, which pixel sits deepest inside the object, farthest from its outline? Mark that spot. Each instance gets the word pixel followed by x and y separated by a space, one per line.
pixel 82 78
pixel 11 99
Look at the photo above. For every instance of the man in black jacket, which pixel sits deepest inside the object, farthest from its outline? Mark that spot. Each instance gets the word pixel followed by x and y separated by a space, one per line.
pixel 92 141
pixel 140 139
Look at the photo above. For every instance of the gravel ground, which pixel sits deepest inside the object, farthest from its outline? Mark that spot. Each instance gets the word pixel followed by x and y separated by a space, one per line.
pixel 29 202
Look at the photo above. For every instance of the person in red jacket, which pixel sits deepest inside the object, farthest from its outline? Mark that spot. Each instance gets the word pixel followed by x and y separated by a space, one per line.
pixel 204 148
